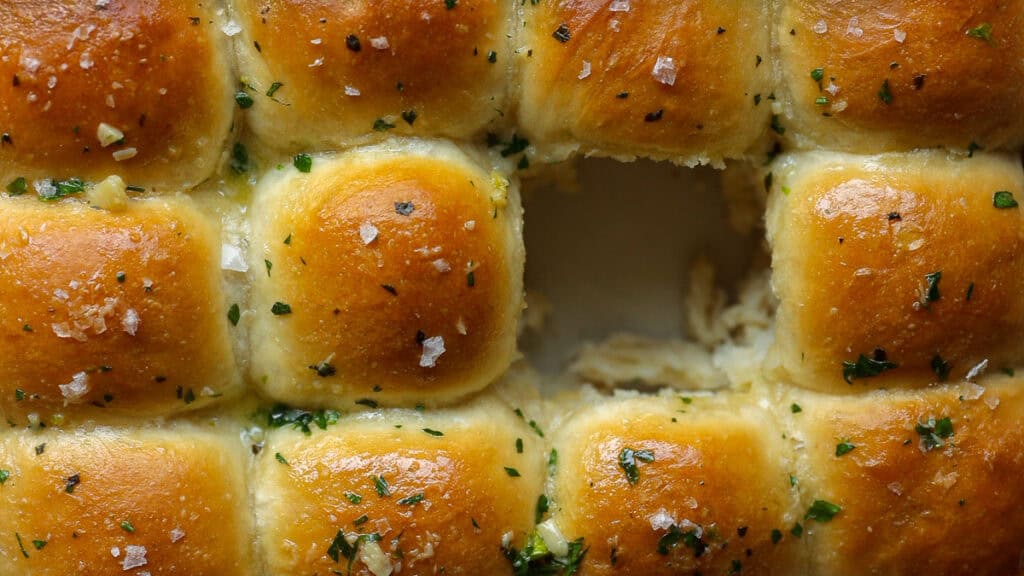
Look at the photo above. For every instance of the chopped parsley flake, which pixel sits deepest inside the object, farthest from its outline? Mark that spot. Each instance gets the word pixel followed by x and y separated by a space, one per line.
pixel 303 162
pixel 18 186
pixel 234 314
pixel 795 408
pixel 282 415
pixel 562 33
pixel 433 432
pixel 628 459
pixel 381 485
pixel 451 4
pixel 368 402
pixel 239 158
pixel 353 497
pixel 776 535
pixel 382 125
pixel 541 509
pixel 931 293
pixel 512 472
pixel 274 88
pixel 981 32
pixel 933 432
pixel 844 448
pixel 692 539
pixel 409 116
pixel 39 544
pixel 280 309
pixel 940 367
pixel 57 189
pixel 243 99
pixel 884 93
pixel 324 369
pixel 127 526
pixel 777 125
pixel 280 458
pixel 404 208
pixel 1004 199
pixel 411 500
pixel 866 367
pixel 822 511
pixel 4 475
pixel 71 482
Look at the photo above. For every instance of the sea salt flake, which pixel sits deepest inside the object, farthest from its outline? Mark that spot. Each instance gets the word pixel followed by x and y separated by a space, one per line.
pixel 619 6
pixel 77 388
pixel 367 232
pixel 130 322
pixel 134 557
pixel 433 348
pixel 820 27
pixel 585 71
pixel 899 35
pixel 351 91
pixel 380 43
pixel 665 70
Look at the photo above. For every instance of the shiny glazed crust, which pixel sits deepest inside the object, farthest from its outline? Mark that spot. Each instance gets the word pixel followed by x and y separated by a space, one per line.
pixel 156 70
pixel 857 243
pixel 401 266
pixel 99 316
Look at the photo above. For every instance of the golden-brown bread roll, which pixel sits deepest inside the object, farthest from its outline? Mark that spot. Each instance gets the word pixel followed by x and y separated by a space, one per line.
pixel 673 485
pixel 338 72
pixel 869 76
pixel 138 88
pixel 925 482
pixel 399 491
pixel 392 273
pixel 104 502
pixel 896 269
pixel 686 81
pixel 111 312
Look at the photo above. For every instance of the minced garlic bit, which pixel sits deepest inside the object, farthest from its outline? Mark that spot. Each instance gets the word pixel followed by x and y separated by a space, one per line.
pixel 433 348
pixel 665 70
pixel 500 194
pixel 125 154
pixel 111 193
pixel 375 559
pixel 108 134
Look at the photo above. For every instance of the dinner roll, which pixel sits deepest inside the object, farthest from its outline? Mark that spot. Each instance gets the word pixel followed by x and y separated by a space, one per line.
pixel 393 273
pixel 914 482
pixel 103 502
pixel 869 76
pixel 339 72
pixel 895 269
pixel 686 81
pixel 673 485
pixel 114 311
pixel 401 491
pixel 138 88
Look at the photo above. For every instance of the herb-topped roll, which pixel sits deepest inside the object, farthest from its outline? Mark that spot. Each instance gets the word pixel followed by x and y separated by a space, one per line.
pixel 139 88
pixel 110 311
pixel 674 484
pixel 897 269
pixel 392 273
pixel 869 76
pixel 397 491
pixel 912 482
pixel 105 501
pixel 316 75
pixel 686 81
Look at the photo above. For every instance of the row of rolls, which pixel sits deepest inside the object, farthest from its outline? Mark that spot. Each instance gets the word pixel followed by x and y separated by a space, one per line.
pixel 393 274
pixel 772 481
pixel 153 90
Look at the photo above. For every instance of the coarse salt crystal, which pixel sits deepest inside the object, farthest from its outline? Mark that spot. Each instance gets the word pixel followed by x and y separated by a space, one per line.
pixel 316 41
pixel 442 265
pixel 76 389
pixel 899 35
pixel 134 556
pixel 661 520
pixel 585 71
pixel 231 28
pixel 131 322
pixel 380 43
pixel 231 258
pixel 619 6
pixel 433 348
pixel 977 370
pixel 318 62
pixel 470 225
pixel 853 28
pixel 367 232
pixel 115 551
pixel 177 534
pixel 820 27
pixel 665 70
pixel 351 91
pixel 110 101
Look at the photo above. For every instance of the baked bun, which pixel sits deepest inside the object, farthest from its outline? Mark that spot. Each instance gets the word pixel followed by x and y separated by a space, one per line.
pixel 394 273
pixel 107 501
pixel 673 485
pixel 99 316
pixel 918 470
pixel 339 72
pixel 869 76
pixel 138 88
pixel 686 81
pixel 439 491
pixel 897 269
